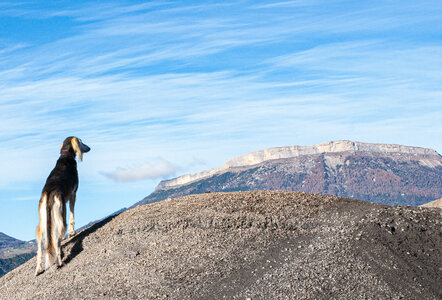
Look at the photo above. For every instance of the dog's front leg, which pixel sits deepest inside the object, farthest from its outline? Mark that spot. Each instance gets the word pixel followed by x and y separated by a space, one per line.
pixel 71 215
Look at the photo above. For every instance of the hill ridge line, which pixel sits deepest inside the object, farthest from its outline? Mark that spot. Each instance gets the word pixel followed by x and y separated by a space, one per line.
pixel 239 245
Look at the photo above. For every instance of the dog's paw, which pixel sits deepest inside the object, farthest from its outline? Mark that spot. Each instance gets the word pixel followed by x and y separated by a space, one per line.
pixel 39 271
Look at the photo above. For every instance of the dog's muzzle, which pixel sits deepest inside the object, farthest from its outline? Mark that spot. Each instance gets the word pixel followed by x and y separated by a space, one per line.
pixel 85 148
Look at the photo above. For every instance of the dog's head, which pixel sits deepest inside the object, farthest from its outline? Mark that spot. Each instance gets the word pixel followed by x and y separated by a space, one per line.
pixel 74 145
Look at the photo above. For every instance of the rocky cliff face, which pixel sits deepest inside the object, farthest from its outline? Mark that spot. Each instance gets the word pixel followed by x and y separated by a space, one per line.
pixel 256 245
pixel 257 157
pixel 388 174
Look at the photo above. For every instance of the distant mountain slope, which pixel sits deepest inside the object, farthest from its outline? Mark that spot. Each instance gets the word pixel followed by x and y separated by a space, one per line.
pixel 388 174
pixel 436 203
pixel 10 246
pixel 7 241
pixel 14 252
pixel 257 245
pixel 12 262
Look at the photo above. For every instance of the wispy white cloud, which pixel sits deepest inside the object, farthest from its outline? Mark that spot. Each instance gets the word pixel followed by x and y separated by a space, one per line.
pixel 365 57
pixel 26 198
pixel 105 11
pixel 294 3
pixel 161 168
pixel 211 81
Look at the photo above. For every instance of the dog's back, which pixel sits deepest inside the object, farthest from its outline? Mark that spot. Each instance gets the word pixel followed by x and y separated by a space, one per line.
pixel 63 178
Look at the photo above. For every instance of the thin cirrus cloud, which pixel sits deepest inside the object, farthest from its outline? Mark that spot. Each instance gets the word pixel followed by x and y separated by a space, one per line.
pixel 160 168
pixel 178 80
pixel 139 52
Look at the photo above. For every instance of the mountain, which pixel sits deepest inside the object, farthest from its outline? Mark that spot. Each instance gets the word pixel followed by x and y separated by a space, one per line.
pixel 7 241
pixel 436 203
pixel 378 173
pixel 14 252
pixel 10 246
pixel 11 262
pixel 256 245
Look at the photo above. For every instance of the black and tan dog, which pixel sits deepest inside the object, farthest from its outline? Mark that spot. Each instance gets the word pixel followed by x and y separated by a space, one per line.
pixel 61 187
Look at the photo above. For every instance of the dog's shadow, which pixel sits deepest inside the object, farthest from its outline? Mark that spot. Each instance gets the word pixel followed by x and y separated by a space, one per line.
pixel 74 245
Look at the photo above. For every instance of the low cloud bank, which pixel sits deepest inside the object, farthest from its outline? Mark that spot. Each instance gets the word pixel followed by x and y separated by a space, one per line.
pixel 161 168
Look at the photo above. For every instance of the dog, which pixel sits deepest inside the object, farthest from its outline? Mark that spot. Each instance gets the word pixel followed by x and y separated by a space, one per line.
pixel 61 187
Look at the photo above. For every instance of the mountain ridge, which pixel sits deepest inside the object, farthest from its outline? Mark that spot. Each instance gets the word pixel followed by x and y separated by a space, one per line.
pixel 260 156
pixel 400 175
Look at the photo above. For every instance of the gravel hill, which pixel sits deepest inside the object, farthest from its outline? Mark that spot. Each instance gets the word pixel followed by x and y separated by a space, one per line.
pixel 247 245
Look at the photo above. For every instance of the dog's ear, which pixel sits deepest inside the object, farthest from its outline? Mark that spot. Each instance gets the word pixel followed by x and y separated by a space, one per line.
pixel 75 145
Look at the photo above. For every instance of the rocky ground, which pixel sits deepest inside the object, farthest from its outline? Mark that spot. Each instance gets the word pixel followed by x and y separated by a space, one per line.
pixel 248 245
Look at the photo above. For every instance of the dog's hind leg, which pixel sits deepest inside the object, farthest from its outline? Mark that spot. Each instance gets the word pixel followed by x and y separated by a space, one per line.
pixel 71 215
pixel 39 269
pixel 41 231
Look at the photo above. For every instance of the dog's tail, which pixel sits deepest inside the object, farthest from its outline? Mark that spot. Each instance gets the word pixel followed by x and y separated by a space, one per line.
pixel 54 225
pixel 49 243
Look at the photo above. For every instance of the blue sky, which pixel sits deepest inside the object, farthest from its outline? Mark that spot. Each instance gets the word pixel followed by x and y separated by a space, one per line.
pixel 162 88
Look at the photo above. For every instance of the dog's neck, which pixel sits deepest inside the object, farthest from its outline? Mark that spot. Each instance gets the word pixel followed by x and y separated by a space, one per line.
pixel 66 153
